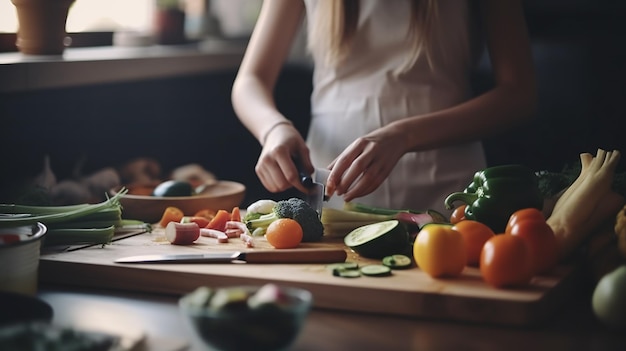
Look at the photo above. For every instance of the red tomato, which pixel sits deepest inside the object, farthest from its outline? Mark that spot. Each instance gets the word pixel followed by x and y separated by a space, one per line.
pixel 506 261
pixel 458 214
pixel 439 251
pixel 530 224
pixel 476 235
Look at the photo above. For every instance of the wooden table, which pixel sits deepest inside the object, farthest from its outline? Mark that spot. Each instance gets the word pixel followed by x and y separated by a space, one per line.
pixel 156 316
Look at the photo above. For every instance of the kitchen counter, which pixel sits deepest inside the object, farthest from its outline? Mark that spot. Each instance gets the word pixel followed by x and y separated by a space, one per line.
pixel 158 319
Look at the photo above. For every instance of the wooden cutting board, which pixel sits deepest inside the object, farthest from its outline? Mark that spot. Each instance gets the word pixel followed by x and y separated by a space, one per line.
pixel 407 292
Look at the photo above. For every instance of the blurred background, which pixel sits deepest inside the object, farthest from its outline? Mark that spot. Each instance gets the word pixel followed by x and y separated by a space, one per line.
pixel 186 117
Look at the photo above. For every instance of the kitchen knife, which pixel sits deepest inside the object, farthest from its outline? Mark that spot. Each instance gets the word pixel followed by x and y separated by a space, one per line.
pixel 301 255
pixel 316 186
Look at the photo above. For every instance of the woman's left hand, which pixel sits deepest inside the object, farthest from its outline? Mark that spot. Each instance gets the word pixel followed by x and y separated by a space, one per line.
pixel 366 163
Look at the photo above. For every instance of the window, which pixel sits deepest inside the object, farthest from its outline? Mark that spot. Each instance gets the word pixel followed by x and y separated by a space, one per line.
pixel 93 15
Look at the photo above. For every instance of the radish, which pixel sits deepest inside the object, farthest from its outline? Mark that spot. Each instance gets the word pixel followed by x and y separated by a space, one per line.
pixel 182 233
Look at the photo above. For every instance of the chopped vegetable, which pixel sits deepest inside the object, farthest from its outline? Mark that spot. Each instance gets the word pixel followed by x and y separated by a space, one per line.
pixel 220 236
pixel 375 270
pixel 171 214
pixel 587 203
pixel 397 261
pixel 219 221
pixel 378 240
pixel 296 209
pixel 182 233
pixel 261 207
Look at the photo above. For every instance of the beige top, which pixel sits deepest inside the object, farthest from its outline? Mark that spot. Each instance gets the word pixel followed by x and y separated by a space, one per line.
pixel 365 92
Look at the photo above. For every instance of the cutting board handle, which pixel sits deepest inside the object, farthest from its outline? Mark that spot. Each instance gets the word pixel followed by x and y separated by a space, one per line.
pixel 302 255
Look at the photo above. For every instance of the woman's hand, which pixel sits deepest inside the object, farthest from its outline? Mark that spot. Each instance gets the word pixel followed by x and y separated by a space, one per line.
pixel 275 167
pixel 366 163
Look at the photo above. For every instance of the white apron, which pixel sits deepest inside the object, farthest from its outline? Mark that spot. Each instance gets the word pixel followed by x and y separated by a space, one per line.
pixel 364 93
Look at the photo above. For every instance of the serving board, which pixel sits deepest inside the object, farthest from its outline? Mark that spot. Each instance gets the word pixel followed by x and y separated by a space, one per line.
pixel 408 292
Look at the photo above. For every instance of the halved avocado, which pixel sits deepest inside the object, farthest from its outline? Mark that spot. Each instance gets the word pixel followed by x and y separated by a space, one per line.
pixel 378 240
pixel 173 188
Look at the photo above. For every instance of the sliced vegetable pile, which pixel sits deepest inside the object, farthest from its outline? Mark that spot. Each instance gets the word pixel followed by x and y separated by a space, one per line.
pixel 71 224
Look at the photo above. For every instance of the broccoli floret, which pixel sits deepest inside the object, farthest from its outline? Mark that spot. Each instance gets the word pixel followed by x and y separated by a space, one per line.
pixel 296 209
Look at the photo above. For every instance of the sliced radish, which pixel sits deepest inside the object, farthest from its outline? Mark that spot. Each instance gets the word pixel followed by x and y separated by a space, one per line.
pixel 182 233
pixel 214 233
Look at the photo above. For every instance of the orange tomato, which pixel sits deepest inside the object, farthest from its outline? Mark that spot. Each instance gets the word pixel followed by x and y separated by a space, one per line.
pixel 506 261
pixel 440 251
pixel 458 214
pixel 530 224
pixel 219 221
pixel 476 235
pixel 171 214
pixel 284 233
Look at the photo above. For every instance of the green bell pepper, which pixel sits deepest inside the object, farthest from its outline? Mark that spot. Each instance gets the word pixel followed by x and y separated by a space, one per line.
pixel 496 192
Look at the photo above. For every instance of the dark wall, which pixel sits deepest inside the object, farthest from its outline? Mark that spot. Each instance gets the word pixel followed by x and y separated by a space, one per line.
pixel 175 121
pixel 580 58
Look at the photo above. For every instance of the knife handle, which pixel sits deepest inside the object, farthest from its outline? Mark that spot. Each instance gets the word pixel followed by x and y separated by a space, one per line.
pixel 302 255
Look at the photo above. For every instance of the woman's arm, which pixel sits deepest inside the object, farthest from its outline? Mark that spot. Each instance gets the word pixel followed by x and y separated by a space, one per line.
pixel 511 102
pixel 362 167
pixel 252 94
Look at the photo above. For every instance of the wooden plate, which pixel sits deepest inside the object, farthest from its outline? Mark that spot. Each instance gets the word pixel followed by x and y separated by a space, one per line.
pixel 222 195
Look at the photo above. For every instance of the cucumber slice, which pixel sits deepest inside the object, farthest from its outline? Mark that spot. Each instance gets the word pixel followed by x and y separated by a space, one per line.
pixel 342 265
pixel 346 273
pixel 375 270
pixel 378 240
pixel 397 261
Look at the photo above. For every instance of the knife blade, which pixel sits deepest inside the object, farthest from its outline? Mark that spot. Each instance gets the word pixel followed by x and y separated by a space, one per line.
pixel 316 188
pixel 299 255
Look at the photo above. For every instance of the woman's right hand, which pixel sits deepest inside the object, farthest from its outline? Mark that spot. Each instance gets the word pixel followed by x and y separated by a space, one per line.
pixel 275 167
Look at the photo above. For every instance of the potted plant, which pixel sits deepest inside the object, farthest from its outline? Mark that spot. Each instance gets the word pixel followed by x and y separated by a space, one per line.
pixel 169 22
pixel 42 26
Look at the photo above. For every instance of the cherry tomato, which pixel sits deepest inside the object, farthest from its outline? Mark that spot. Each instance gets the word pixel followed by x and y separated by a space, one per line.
pixel 440 251
pixel 506 261
pixel 531 225
pixel 171 214
pixel 284 233
pixel 458 214
pixel 475 235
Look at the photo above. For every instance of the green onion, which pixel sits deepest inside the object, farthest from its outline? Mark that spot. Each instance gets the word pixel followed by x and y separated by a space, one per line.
pixel 79 236
pixel 52 214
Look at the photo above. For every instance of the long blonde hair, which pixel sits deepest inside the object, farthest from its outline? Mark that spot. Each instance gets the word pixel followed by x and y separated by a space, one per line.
pixel 335 24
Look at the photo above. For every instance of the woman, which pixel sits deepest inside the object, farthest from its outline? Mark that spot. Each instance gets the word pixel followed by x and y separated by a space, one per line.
pixel 392 114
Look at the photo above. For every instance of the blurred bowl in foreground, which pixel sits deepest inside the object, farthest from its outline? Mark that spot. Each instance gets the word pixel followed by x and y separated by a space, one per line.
pixel 256 318
pixel 19 257
pixel 137 205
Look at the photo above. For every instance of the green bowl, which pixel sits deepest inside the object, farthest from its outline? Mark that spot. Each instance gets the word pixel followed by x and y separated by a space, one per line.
pixel 242 325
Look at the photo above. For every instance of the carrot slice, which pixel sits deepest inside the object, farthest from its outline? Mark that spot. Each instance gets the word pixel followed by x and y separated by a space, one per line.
pixel 171 214
pixel 235 215
pixel 219 221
